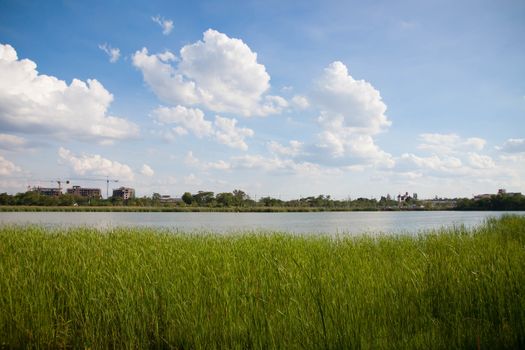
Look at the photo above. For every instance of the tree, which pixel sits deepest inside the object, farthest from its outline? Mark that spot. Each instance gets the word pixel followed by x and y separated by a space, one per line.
pixel 187 198
pixel 203 197
pixel 225 199
pixel 239 197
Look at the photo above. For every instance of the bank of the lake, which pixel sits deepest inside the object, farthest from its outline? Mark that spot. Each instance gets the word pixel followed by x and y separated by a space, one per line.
pixel 185 209
pixel 146 288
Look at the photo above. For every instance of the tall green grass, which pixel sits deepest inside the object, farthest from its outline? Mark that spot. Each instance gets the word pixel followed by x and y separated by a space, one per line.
pixel 141 288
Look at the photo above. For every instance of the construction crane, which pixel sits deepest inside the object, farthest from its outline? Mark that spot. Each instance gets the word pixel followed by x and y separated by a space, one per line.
pixel 107 180
pixel 59 182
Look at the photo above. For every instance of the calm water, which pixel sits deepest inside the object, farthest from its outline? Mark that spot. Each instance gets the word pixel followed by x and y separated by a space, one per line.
pixel 323 222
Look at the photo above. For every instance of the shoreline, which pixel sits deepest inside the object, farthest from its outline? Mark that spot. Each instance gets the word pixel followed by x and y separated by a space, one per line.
pixel 26 208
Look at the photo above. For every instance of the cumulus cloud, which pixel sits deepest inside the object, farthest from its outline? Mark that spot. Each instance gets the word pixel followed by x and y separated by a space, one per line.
pixel 272 164
pixel 112 52
pixel 449 143
pixel 191 160
pixel 351 112
pixel 229 134
pixel 95 165
pixel 452 156
pixel 224 130
pixel 218 73
pixel 187 119
pixel 165 24
pixel 344 147
pixel 479 161
pixel 35 103
pixel 7 167
pixel 192 180
pixel 279 165
pixel 513 146
pixel 352 104
pixel 147 171
pixel 300 102
pixel 293 149
pixel 469 166
pixel 12 142
pixel 218 165
pixel 433 162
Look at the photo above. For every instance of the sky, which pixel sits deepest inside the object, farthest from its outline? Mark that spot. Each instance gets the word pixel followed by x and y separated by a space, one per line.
pixel 278 98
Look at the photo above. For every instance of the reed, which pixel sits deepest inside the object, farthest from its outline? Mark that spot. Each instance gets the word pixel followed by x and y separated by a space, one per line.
pixel 145 288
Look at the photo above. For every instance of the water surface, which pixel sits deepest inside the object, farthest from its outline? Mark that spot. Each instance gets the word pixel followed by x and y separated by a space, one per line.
pixel 317 222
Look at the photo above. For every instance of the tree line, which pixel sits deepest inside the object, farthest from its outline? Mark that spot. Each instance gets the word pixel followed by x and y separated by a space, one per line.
pixel 236 198
pixel 240 199
pixel 494 202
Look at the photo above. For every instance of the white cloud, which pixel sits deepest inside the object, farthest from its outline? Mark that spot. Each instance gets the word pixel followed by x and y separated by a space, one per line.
pixel 165 24
pixel 35 103
pixel 258 162
pixel 191 160
pixel 513 146
pixel 224 130
pixel 348 147
pixel 147 171
pixel 218 165
pixel 7 167
pixel 219 73
pixel 448 164
pixel 278 165
pixel 452 156
pixel 294 148
pixel 12 142
pixel 95 165
pixel 229 134
pixel 300 102
pixel 479 161
pixel 352 104
pixel 449 143
pixel 470 166
pixel 351 112
pixel 112 52
pixel 192 180
pixel 191 119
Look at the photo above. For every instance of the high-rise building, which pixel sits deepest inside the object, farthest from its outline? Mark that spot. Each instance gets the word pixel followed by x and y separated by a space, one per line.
pixel 47 191
pixel 124 193
pixel 85 192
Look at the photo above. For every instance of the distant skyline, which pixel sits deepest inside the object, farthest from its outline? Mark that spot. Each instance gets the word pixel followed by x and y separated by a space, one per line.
pixel 279 98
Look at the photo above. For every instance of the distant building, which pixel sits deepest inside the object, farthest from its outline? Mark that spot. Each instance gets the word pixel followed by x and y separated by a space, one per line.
pixel 47 191
pixel 85 192
pixel 482 196
pixel 501 192
pixel 124 193
pixel 403 198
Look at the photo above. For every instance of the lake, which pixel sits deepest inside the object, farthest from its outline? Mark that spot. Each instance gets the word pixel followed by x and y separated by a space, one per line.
pixel 318 222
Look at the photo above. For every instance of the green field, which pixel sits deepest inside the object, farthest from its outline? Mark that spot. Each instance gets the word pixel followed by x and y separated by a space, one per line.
pixel 140 288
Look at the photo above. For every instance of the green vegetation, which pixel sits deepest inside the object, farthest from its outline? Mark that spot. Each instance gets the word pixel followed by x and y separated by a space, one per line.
pixel 163 209
pixel 142 288
pixel 237 200
pixel 494 202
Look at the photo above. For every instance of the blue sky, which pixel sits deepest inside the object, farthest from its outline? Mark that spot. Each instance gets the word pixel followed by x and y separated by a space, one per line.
pixel 278 98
